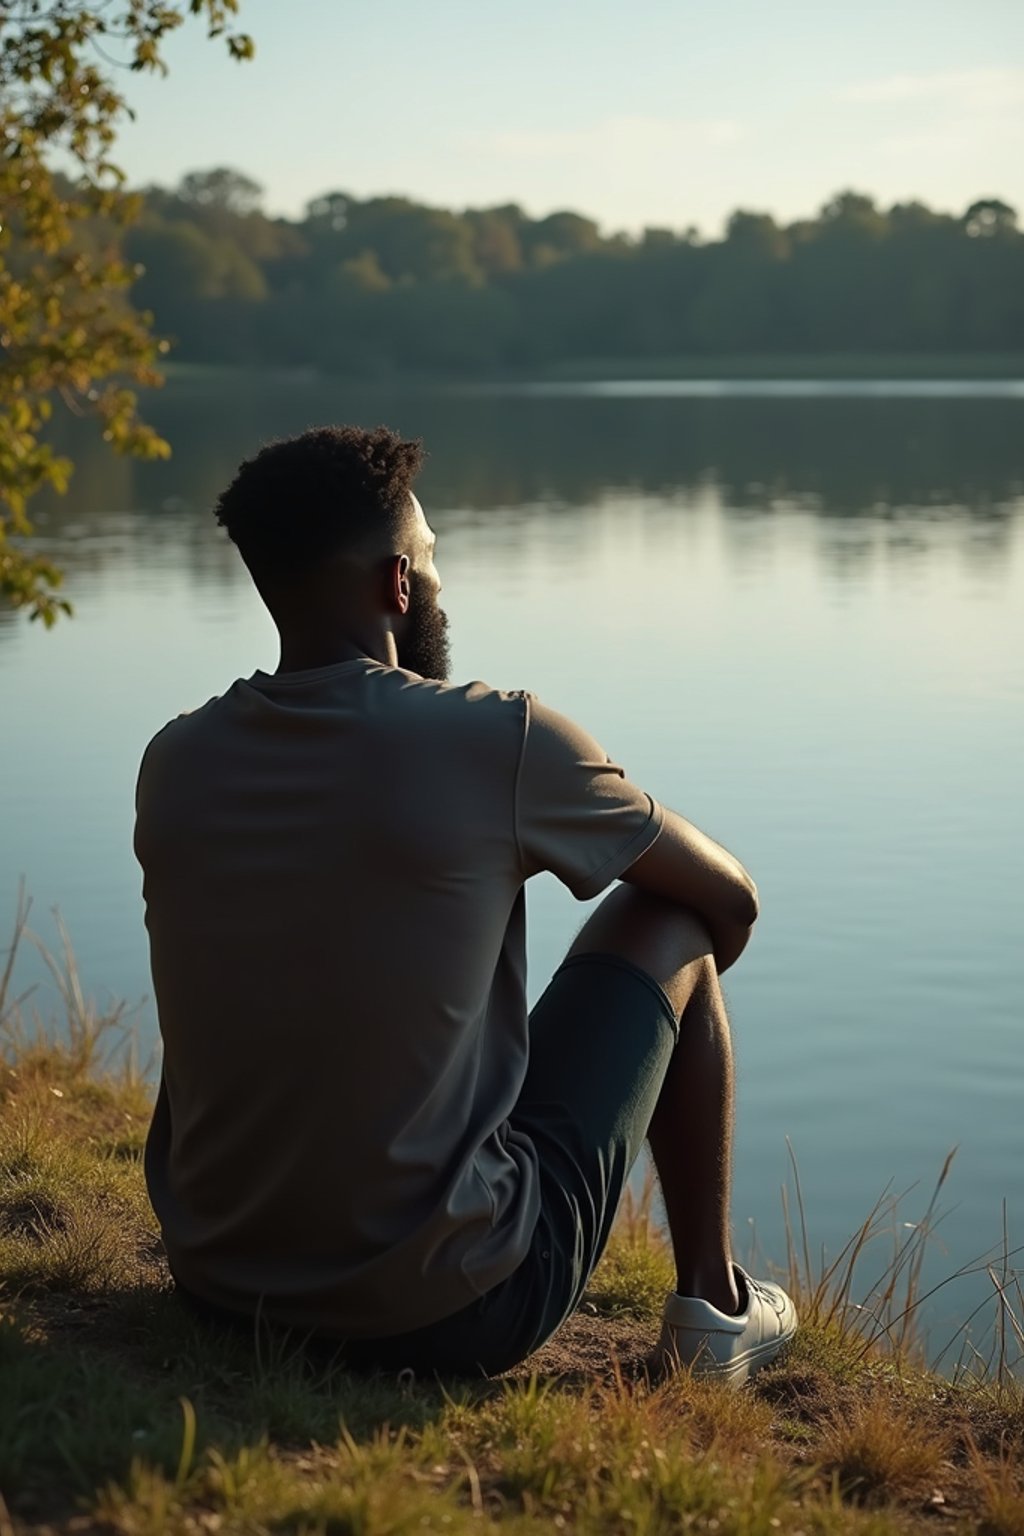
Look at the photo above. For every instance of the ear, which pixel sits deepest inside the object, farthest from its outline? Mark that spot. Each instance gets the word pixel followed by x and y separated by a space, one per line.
pixel 398 589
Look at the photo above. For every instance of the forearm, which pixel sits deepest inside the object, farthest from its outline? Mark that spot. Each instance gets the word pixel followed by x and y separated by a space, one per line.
pixel 688 868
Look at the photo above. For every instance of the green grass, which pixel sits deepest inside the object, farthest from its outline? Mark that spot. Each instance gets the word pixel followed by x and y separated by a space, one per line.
pixel 118 1412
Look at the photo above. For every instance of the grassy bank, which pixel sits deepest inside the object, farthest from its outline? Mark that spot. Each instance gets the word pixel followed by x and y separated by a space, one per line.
pixel 118 1412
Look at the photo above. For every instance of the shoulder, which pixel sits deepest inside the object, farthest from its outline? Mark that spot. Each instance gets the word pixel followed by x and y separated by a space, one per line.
pixel 551 733
pixel 177 734
pixel 474 705
pixel 477 708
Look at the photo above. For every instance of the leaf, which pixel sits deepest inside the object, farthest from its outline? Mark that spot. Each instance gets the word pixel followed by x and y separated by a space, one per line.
pixel 66 330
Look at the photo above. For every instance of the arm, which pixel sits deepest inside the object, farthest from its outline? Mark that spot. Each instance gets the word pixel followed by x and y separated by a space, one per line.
pixel 686 867
pixel 581 818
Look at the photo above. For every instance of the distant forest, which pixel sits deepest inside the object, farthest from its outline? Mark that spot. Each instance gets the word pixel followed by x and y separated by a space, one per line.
pixel 385 285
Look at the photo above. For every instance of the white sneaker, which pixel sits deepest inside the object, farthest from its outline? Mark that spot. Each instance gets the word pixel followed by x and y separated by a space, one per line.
pixel 696 1335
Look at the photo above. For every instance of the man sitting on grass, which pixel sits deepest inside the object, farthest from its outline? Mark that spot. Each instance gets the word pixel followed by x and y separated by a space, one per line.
pixel 360 1132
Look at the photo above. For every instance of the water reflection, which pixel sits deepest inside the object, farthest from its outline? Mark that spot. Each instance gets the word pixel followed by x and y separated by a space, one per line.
pixel 888 478
pixel 841 455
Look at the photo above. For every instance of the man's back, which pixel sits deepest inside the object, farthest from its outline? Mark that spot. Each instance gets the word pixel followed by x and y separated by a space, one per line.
pixel 342 993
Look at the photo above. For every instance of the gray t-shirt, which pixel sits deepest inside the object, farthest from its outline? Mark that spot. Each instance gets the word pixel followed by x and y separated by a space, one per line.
pixel 333 870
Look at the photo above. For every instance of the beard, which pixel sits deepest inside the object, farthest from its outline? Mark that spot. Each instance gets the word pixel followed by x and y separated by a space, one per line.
pixel 424 647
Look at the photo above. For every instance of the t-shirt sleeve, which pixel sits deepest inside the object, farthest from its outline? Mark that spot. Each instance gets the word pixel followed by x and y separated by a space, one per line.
pixel 577 814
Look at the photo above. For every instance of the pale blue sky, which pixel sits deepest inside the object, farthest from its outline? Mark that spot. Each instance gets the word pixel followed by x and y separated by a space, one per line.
pixel 635 111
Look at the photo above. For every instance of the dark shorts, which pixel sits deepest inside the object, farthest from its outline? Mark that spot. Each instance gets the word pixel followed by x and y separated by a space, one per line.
pixel 601 1038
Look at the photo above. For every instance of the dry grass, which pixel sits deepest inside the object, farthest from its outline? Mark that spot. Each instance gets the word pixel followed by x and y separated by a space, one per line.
pixel 880 1450
pixel 1000 1481
pixel 119 1412
pixel 886 1314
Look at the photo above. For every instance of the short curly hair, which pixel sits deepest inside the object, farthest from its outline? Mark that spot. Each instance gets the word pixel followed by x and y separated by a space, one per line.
pixel 303 498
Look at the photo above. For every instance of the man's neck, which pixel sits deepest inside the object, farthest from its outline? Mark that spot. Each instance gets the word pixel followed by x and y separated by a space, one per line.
pixel 305 652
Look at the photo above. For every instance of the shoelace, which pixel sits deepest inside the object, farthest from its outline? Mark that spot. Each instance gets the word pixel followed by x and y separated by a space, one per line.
pixel 755 1287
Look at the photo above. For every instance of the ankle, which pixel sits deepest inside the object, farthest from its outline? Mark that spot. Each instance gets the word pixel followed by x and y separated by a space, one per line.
pixel 716 1285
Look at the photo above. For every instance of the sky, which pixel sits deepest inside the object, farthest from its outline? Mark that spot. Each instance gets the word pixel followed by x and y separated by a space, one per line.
pixel 637 112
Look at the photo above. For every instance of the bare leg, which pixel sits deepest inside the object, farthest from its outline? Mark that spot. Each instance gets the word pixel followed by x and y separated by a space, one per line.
pixel 691 1133
pixel 691 1142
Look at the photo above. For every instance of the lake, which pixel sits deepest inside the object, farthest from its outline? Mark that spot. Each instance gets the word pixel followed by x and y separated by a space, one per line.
pixel 794 613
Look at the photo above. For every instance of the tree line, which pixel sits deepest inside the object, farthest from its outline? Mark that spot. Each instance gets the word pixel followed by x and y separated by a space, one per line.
pixel 379 285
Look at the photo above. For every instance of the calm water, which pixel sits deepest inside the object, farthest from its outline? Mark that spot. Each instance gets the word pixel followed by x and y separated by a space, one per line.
pixel 794 615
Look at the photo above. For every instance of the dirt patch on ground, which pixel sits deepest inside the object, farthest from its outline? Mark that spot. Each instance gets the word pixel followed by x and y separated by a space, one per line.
pixel 592 1348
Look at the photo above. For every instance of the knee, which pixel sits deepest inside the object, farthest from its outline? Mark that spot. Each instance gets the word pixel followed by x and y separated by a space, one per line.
pixel 669 942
